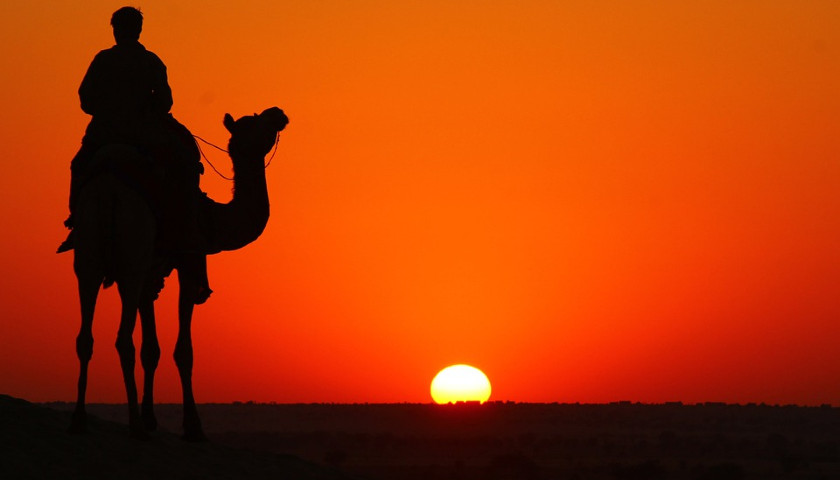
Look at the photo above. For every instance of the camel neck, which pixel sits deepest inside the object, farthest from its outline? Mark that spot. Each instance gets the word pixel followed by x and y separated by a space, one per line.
pixel 240 221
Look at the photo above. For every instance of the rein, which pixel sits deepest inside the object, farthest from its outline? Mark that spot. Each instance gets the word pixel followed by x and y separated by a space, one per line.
pixel 273 152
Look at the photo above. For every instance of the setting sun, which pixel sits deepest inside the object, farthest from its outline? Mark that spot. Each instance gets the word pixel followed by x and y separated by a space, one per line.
pixel 460 383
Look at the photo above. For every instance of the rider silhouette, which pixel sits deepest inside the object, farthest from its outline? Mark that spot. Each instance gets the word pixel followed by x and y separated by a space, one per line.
pixel 126 92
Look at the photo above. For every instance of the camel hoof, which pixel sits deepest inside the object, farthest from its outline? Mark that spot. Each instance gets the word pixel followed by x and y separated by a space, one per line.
pixel 193 432
pixel 138 432
pixel 192 426
pixel 150 423
pixel 78 423
pixel 136 429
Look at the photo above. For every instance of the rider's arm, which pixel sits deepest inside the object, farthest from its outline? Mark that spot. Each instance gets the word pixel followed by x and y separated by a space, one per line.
pixel 161 93
pixel 91 86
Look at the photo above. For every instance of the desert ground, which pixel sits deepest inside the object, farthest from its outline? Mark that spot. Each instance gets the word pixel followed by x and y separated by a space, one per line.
pixel 34 445
pixel 424 441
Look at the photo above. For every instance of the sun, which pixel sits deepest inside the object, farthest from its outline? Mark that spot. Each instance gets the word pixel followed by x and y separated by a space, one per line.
pixel 460 383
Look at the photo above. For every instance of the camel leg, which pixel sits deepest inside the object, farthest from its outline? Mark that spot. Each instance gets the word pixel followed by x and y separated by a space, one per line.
pixel 129 294
pixel 184 355
pixel 149 358
pixel 88 291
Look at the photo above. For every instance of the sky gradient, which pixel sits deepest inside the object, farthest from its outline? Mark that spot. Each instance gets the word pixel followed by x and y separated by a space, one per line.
pixel 589 201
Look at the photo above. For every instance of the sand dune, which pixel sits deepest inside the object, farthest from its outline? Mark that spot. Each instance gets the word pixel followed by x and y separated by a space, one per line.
pixel 34 444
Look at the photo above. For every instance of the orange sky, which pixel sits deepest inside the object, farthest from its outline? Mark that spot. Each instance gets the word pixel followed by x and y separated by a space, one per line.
pixel 589 201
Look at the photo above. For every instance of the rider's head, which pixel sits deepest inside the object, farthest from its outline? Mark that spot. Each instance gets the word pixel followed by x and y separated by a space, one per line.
pixel 127 23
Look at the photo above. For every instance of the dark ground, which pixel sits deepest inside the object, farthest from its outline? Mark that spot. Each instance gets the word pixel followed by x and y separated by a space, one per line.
pixel 529 441
pixel 34 445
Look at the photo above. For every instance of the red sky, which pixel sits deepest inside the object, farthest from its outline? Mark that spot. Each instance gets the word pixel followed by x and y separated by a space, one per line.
pixel 589 201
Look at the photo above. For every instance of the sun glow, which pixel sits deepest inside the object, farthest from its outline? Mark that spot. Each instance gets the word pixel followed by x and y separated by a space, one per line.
pixel 460 383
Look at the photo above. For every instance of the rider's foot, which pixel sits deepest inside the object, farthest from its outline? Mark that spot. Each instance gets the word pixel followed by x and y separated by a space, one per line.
pixel 68 244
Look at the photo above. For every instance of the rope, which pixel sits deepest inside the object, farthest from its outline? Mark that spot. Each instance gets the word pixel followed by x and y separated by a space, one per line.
pixel 273 152
pixel 208 160
pixel 211 144
pixel 276 142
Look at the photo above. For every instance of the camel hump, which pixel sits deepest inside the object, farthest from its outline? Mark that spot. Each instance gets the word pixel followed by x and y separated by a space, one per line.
pixel 117 153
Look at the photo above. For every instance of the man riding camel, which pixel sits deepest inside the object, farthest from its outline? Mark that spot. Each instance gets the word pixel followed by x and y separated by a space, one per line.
pixel 127 94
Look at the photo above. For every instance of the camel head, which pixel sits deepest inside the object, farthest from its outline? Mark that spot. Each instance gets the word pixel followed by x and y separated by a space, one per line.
pixel 255 135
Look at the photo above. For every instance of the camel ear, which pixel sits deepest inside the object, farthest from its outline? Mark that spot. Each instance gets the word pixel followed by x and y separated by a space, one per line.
pixel 229 122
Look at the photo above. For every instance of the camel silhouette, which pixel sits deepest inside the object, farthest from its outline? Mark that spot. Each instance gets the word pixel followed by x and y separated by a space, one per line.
pixel 115 242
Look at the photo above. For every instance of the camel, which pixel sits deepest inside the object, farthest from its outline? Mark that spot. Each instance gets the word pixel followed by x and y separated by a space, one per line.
pixel 115 243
